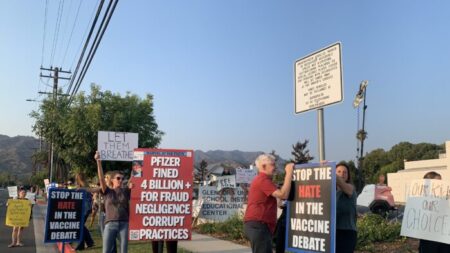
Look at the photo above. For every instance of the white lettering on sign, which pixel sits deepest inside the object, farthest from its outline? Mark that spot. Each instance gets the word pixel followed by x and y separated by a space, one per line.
pixel 165 161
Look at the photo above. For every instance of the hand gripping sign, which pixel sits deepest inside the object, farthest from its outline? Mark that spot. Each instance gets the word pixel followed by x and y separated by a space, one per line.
pixel 161 197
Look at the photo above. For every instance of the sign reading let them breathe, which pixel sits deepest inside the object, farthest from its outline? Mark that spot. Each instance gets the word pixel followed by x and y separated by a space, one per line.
pixel 117 146
pixel 318 79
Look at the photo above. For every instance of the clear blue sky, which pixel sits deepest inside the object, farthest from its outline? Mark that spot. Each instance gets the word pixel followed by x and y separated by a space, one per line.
pixel 221 72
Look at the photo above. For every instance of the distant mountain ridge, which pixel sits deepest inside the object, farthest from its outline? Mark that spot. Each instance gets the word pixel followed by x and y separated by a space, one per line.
pixel 15 155
pixel 16 152
pixel 234 158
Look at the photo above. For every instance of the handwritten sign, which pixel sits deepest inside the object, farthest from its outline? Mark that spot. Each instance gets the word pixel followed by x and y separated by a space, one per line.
pixel 427 211
pixel 161 202
pixel 219 206
pixel 245 176
pixel 226 182
pixel 12 191
pixel 117 146
pixel 18 213
pixel 31 197
pixel 310 220
pixel 65 219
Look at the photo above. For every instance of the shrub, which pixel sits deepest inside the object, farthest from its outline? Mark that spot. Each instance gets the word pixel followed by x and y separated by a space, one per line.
pixel 373 228
pixel 231 229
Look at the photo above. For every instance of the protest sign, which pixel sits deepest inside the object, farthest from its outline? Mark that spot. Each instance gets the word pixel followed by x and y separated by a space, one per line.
pixel 226 182
pixel 116 146
pixel 18 213
pixel 31 197
pixel 219 206
pixel 161 200
pixel 12 191
pixel 427 211
pixel 46 181
pixel 310 219
pixel 245 176
pixel 65 219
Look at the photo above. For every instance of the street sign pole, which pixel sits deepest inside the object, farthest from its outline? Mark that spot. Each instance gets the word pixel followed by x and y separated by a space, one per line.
pixel 320 126
pixel 318 84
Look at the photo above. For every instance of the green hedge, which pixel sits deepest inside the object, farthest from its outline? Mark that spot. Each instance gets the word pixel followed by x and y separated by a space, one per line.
pixel 371 228
pixel 374 228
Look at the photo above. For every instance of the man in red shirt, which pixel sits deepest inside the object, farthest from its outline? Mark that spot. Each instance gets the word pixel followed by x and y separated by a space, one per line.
pixel 261 214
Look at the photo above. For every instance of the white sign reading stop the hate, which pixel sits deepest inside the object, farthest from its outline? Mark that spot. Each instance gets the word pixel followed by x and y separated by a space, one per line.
pixel 117 146
pixel 318 79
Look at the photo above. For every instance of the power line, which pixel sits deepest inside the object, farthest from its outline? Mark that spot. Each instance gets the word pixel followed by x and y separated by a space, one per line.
pixel 65 29
pixel 56 32
pixel 99 9
pixel 84 35
pixel 101 31
pixel 45 29
pixel 71 33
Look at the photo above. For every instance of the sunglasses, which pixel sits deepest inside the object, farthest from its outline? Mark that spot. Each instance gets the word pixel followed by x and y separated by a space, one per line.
pixel 119 178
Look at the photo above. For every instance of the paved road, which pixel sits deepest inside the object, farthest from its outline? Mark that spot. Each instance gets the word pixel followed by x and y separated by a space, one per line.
pixel 5 232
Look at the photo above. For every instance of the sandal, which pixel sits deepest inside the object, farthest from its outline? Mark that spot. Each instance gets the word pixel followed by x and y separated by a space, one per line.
pixel 11 245
pixel 19 244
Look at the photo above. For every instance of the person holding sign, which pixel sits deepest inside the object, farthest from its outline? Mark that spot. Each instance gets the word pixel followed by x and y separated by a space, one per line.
pixel 261 214
pixel 346 234
pixel 426 246
pixel 17 230
pixel 116 209
pixel 81 183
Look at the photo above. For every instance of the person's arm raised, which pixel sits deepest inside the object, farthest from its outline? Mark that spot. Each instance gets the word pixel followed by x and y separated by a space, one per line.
pixel 283 193
pixel 101 178
pixel 345 187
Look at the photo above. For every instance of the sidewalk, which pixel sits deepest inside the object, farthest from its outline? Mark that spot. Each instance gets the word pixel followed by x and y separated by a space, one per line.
pixel 39 213
pixel 207 244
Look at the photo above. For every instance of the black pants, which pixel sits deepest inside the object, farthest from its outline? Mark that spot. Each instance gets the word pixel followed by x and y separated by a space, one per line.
pixel 345 241
pixel 433 247
pixel 280 233
pixel 87 238
pixel 259 235
pixel 171 246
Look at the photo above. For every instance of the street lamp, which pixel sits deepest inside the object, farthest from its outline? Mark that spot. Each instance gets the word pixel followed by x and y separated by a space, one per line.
pixel 361 134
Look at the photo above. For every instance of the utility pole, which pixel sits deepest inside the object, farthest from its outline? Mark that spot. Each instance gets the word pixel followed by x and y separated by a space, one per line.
pixel 54 94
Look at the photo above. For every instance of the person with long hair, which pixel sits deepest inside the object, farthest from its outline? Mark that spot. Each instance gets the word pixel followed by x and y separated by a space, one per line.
pixel 116 209
pixel 81 183
pixel 346 233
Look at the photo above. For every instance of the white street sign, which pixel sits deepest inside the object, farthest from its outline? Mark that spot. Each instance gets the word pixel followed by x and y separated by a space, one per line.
pixel 318 79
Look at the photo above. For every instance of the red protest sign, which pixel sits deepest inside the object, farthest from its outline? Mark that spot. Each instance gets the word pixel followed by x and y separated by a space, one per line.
pixel 161 197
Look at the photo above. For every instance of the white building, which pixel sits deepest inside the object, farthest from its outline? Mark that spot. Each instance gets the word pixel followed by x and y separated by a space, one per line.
pixel 399 182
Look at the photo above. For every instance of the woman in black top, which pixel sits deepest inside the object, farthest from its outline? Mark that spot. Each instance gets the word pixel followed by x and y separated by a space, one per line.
pixel 346 235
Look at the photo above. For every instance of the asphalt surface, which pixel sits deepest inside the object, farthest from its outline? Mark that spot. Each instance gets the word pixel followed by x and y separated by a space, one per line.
pixel 5 231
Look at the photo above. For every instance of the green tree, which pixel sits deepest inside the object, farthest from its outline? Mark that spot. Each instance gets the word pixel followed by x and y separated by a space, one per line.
pixel 74 128
pixel 201 173
pixel 300 152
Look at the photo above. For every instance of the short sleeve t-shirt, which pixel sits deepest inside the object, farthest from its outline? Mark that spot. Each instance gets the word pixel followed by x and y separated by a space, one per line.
pixel 345 211
pixel 116 204
pixel 262 206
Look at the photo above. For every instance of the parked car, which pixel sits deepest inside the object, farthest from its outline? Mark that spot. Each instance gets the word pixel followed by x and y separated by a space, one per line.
pixel 378 198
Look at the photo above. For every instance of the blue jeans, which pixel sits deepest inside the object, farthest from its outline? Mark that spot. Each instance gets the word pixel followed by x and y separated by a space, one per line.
pixel 113 230
pixel 101 222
